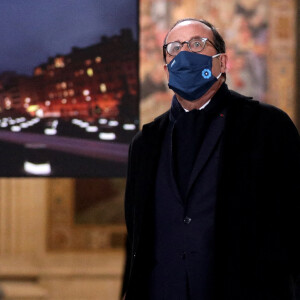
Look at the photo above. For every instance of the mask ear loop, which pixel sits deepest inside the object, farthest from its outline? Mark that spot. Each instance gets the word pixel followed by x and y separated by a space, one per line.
pixel 216 55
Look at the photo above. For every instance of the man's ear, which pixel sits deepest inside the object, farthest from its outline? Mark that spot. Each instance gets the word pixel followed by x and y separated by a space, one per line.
pixel 166 70
pixel 223 61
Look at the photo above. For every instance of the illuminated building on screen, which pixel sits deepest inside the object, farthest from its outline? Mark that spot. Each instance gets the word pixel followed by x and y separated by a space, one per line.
pixel 98 80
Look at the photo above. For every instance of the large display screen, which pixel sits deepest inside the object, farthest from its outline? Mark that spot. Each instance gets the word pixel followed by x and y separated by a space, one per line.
pixel 69 102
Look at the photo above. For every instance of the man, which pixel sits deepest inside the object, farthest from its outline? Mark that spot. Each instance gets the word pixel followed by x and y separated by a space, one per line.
pixel 212 197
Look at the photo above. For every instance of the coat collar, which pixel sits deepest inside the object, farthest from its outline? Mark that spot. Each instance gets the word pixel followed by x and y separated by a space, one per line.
pixel 238 121
pixel 240 111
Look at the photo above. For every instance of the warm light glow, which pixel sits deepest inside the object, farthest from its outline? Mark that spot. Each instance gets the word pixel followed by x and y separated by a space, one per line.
pixel 86 92
pixel 24 125
pixel 71 92
pixel 80 123
pixel 54 124
pixel 47 103
pixel 38 71
pixel 7 103
pixel 65 93
pixel 15 128
pixel 39 113
pixel 37 169
pixel 50 131
pixel 33 108
pixel 92 129
pixel 27 100
pixel 98 59
pixel 103 88
pixel 83 124
pixel 129 127
pixel 33 121
pixel 90 72
pixel 22 119
pixel 59 62
pixel 88 62
pixel 113 123
pixel 88 98
pixel 63 85
pixel 64 101
pixel 107 136
pixel 26 105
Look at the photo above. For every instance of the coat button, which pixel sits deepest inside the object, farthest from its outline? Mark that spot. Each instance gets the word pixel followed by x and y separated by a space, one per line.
pixel 187 220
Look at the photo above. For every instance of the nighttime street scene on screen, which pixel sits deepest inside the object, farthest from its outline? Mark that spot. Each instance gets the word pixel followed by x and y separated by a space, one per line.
pixel 68 87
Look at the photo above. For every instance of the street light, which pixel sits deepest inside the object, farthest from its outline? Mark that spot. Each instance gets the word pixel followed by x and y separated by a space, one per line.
pixel 86 92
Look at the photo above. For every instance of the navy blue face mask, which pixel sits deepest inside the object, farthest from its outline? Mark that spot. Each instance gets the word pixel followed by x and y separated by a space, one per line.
pixel 190 74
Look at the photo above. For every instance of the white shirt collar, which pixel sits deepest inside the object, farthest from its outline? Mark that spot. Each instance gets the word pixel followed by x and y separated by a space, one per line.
pixel 203 106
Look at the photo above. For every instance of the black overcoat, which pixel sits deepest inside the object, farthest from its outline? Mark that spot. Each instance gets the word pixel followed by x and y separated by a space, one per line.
pixel 258 204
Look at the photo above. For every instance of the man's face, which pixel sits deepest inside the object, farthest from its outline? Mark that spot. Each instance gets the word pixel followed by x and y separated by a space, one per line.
pixel 186 31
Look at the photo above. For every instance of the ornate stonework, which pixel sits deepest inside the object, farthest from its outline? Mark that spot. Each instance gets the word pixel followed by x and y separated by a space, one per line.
pixel 281 55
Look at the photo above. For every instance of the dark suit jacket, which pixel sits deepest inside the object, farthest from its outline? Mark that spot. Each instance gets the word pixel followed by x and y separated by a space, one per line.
pixel 257 211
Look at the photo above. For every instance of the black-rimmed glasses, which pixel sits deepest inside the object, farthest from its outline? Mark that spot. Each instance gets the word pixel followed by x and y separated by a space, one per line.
pixel 194 44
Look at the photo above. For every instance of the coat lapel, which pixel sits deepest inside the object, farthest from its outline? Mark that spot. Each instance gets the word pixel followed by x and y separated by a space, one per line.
pixel 172 169
pixel 210 141
pixel 152 136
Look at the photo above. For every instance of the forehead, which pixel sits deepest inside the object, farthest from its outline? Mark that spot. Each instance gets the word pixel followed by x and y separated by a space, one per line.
pixel 186 30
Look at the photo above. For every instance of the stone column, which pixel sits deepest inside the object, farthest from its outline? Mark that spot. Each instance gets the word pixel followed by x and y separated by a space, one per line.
pixel 22 237
pixel 22 216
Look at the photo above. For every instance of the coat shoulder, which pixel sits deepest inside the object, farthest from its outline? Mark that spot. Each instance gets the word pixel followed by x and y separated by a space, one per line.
pixel 276 119
pixel 273 112
pixel 265 122
pixel 149 129
pixel 267 114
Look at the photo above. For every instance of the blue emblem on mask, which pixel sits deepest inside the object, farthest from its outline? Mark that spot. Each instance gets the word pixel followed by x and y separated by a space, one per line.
pixel 206 73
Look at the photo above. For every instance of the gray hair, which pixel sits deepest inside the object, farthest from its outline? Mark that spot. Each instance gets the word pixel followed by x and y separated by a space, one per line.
pixel 218 40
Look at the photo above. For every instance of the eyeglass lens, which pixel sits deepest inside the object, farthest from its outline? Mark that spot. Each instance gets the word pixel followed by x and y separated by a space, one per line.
pixel 195 45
